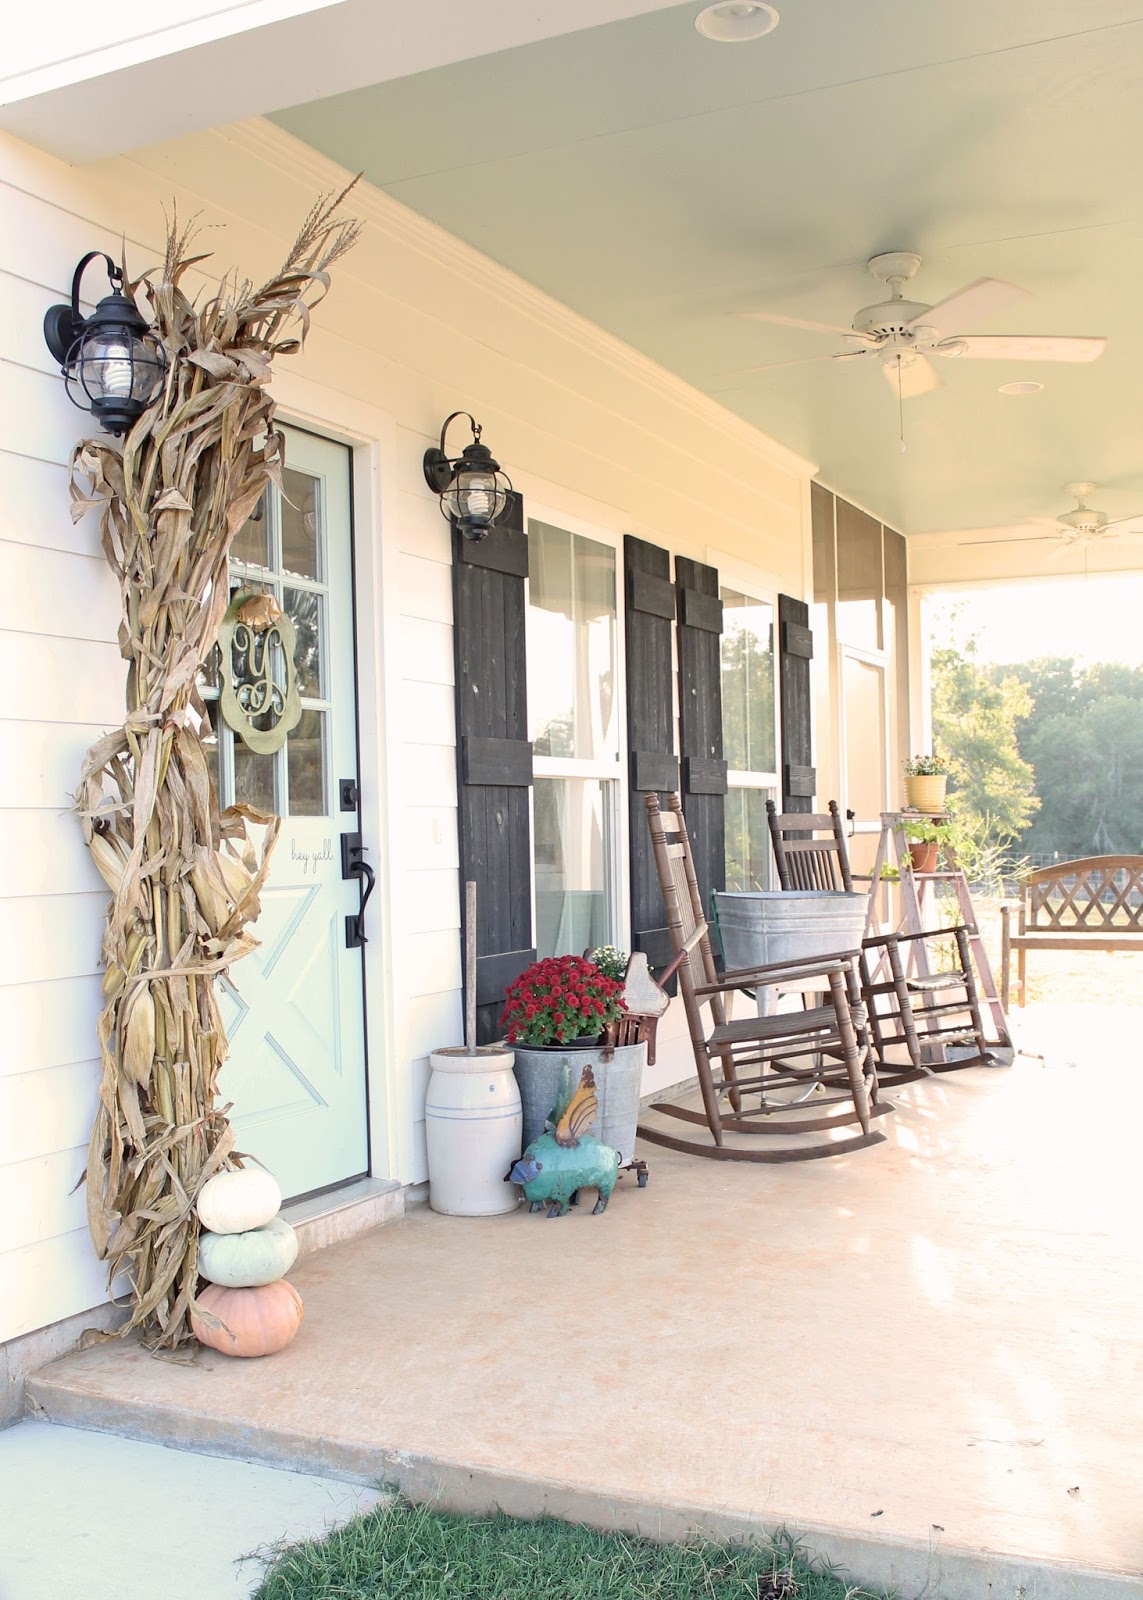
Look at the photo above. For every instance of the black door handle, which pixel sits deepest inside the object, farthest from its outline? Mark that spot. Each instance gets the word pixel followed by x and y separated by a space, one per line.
pixel 354 865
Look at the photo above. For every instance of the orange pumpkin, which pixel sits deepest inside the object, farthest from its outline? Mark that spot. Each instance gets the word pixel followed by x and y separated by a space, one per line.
pixel 258 1322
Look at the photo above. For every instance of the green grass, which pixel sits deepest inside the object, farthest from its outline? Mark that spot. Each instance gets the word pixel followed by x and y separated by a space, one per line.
pixel 402 1552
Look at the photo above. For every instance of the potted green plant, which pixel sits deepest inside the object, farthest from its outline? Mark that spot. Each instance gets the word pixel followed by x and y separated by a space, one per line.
pixel 926 779
pixel 561 1010
pixel 924 837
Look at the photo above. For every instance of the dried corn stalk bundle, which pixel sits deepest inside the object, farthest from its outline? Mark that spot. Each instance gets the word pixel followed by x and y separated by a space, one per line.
pixel 185 880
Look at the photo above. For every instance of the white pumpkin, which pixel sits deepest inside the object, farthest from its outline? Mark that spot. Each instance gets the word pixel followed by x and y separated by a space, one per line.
pixel 248 1260
pixel 235 1202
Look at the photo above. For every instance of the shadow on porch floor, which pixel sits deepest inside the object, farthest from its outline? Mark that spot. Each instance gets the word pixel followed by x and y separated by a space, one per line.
pixel 926 1355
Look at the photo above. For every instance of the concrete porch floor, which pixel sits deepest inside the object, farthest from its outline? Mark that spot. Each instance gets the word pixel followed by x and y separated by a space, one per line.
pixel 924 1356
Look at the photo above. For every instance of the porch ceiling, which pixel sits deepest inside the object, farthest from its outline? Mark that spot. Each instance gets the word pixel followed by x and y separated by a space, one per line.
pixel 657 182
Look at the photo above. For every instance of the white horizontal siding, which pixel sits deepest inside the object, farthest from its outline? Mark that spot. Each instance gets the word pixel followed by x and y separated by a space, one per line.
pixel 40 1198
pixel 33 510
pixel 50 1023
pixel 45 937
pixel 67 680
pixel 57 593
pixel 48 1110
pixel 43 762
pixel 47 1281
pixel 59 611
pixel 426 651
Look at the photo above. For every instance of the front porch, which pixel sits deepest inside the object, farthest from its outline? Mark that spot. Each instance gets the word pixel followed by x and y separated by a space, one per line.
pixel 922 1357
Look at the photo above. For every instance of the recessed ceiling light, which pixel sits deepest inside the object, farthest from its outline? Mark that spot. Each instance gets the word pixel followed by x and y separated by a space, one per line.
pixel 735 21
pixel 1026 386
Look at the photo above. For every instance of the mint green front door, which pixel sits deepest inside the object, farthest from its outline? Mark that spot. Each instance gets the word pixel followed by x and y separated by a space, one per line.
pixel 294 1009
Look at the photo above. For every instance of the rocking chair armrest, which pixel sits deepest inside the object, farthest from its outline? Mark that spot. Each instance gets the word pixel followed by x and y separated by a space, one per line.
pixel 775 971
pixel 696 937
pixel 905 938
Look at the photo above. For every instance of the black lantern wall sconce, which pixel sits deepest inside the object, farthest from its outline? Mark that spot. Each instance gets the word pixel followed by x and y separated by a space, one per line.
pixel 112 362
pixel 473 490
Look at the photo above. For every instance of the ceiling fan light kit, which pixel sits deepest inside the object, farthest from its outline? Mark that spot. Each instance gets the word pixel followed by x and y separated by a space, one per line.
pixel 902 334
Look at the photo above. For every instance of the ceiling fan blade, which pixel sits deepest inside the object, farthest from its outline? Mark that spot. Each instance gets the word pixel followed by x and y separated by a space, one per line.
pixel 795 322
pixel 984 298
pixel 1026 347
pixel 801 361
pixel 1027 538
pixel 1120 523
pixel 911 378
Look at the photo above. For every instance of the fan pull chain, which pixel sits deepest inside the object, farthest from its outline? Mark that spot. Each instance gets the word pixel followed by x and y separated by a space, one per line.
pixel 900 407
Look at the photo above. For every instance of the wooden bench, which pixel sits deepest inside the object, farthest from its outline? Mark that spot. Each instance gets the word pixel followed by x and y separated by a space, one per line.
pixel 1093 903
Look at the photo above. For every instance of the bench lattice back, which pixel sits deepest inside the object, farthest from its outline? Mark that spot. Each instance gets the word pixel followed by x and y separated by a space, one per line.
pixel 1095 894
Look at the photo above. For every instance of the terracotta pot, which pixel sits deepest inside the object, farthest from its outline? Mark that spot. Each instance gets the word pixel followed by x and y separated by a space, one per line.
pixel 924 855
pixel 926 793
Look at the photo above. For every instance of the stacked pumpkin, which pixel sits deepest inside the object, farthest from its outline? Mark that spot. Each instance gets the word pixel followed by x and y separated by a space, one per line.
pixel 247 1308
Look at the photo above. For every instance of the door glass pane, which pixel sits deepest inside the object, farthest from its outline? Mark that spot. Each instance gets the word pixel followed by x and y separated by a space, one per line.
pixel 748 840
pixel 748 725
pixel 250 542
pixel 306 766
pixel 301 512
pixel 571 644
pixel 305 610
pixel 254 778
pixel 572 855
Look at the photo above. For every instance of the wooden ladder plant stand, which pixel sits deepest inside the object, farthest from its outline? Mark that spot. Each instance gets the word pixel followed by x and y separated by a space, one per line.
pixel 893 851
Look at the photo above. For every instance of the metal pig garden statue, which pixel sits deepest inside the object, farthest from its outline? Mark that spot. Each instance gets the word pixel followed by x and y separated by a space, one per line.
pixel 566 1159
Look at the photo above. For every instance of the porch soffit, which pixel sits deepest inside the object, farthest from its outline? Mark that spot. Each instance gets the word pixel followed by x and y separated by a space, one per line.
pixel 655 183
pixel 84 83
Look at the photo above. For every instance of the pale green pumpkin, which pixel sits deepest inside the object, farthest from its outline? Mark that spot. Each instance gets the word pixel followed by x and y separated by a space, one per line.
pixel 248 1260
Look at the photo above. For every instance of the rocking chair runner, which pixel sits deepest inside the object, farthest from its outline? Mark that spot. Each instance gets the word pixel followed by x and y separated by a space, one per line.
pixel 828 1045
pixel 924 1013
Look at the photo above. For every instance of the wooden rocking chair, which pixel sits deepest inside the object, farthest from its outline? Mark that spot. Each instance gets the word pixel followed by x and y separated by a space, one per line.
pixel 923 1013
pixel 827 1045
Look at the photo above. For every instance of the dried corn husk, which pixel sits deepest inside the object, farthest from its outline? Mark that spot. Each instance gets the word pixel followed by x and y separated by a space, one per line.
pixel 185 879
pixel 139 1036
pixel 108 860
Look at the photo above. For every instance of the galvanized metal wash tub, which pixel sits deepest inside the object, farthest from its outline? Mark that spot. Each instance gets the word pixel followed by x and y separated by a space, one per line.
pixel 618 1079
pixel 757 928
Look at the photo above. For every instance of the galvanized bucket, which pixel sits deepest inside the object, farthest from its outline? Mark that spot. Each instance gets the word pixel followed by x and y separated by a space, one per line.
pixel 787 924
pixel 618 1081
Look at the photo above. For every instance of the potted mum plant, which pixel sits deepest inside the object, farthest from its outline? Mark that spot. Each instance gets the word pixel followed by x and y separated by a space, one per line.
pixel 560 1012
pixel 926 779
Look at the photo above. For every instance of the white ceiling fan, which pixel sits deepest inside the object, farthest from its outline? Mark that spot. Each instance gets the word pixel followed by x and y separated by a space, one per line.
pixel 901 335
pixel 1081 526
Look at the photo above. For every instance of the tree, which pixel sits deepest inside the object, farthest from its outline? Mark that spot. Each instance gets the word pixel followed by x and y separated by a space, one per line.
pixel 1089 767
pixel 975 719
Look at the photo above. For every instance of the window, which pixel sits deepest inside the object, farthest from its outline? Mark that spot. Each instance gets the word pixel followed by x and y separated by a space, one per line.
pixel 749 736
pixel 573 716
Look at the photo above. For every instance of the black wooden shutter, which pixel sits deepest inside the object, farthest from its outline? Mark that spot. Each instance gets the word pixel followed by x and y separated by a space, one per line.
pixel 796 651
pixel 700 720
pixel 650 618
pixel 494 756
